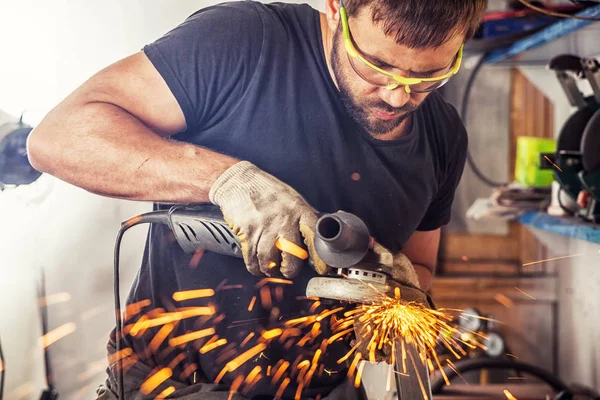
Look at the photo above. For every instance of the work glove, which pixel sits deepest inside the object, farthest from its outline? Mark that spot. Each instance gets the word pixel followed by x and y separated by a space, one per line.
pixel 270 218
pixel 403 273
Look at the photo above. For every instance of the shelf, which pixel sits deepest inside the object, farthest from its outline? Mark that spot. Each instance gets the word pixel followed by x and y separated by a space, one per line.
pixel 565 226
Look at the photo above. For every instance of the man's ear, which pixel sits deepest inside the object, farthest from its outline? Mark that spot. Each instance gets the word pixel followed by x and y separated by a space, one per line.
pixel 332 11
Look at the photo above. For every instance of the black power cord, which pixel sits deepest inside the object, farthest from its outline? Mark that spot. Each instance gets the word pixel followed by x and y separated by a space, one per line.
pixel 463 115
pixel 2 371
pixel 160 217
pixel 50 393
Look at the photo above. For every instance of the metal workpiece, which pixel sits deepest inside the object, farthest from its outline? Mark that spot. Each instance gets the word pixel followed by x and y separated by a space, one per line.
pixel 412 374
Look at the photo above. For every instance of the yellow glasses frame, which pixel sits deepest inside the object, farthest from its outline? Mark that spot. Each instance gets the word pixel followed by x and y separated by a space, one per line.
pixel 398 80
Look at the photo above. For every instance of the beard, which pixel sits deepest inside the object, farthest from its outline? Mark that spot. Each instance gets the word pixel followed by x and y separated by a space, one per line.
pixel 362 112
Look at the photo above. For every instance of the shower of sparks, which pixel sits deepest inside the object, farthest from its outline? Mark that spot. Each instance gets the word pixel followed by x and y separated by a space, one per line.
pixel 528 295
pixel 55 299
pixel 155 380
pixel 551 259
pixel 552 162
pixel 56 334
pixel 380 322
pixel 168 391
pixel 509 395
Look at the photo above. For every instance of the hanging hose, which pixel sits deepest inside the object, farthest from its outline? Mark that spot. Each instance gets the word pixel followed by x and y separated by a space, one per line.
pixel 464 109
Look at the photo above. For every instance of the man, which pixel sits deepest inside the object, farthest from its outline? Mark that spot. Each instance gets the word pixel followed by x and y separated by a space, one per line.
pixel 275 113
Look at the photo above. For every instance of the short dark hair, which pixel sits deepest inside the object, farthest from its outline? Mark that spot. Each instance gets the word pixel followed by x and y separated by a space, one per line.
pixel 422 23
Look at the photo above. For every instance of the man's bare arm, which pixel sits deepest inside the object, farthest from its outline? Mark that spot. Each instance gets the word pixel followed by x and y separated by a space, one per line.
pixel 110 138
pixel 422 250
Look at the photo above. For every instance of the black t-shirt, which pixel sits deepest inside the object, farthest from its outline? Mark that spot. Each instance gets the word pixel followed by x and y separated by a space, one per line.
pixel 253 83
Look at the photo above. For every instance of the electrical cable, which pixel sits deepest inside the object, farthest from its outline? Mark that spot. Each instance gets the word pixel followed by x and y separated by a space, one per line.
pixel 464 109
pixel 555 14
pixel 50 392
pixel 2 371
pixel 160 217
pixel 475 364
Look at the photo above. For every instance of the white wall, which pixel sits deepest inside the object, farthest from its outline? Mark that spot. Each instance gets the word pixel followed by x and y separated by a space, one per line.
pixel 48 48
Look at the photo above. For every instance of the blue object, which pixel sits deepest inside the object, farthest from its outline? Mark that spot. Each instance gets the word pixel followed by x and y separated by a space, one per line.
pixel 546 35
pixel 569 227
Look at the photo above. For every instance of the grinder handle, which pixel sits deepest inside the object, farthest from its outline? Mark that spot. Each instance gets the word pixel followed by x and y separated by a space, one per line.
pixel 203 227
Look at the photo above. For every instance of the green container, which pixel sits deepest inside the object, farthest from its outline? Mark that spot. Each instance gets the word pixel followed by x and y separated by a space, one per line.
pixel 527 170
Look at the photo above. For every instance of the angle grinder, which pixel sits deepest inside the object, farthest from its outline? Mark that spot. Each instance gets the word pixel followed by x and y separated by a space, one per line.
pixel 342 241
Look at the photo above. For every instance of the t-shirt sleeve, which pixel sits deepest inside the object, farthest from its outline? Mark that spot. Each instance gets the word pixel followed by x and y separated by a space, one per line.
pixel 209 60
pixel 439 211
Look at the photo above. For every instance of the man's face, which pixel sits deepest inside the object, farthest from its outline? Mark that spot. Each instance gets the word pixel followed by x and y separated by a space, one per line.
pixel 379 110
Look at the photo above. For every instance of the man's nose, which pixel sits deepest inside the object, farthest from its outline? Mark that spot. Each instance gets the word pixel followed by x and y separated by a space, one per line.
pixel 395 98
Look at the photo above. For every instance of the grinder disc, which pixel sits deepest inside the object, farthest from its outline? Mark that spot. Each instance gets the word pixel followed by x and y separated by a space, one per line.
pixel 346 290
pixel 590 144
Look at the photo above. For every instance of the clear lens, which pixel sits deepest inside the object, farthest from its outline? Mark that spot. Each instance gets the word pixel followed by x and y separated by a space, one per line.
pixel 376 78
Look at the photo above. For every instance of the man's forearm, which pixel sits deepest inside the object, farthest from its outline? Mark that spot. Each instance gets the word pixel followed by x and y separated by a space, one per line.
pixel 105 150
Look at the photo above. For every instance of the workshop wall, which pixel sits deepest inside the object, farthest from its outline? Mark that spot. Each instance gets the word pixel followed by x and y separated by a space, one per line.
pixel 49 48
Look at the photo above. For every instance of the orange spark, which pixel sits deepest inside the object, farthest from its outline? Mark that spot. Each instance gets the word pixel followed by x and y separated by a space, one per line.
pixel 253 374
pixel 326 314
pixel 264 281
pixel 247 339
pixel 160 337
pixel 505 301
pixel 273 333
pixel 552 162
pixel 235 385
pixel 279 293
pixel 282 388
pixel 339 335
pixel 134 308
pixel 126 352
pixel 179 358
pixel 314 306
pixel 57 334
pixel 358 376
pixel 188 370
pixel 509 395
pixel 265 297
pixel 354 363
pixel 512 355
pixel 211 346
pixel 551 259
pixel 280 371
pixel 531 297
pixel 193 294
pixel 195 260
pixel 251 305
pixel 155 380
pixel 168 391
pixel 245 356
pixel 517 378
pixel 55 299
pixel 188 337
pixel 170 317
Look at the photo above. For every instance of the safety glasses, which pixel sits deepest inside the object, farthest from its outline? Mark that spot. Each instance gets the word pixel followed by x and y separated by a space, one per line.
pixel 382 78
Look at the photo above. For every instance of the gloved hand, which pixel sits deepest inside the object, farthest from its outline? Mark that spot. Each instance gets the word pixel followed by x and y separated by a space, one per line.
pixel 260 209
pixel 404 274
